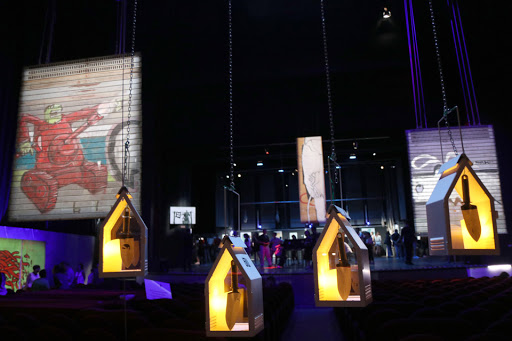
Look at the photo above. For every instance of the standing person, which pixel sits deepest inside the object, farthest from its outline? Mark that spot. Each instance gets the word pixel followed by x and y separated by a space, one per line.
pixel 255 247
pixel 408 241
pixel 188 250
pixel 368 242
pixel 280 254
pixel 216 244
pixel 315 235
pixel 248 244
pixel 387 242
pixel 93 278
pixel 395 237
pixel 80 274
pixel 273 245
pixel 41 284
pixel 207 258
pixel 295 247
pixel 378 245
pixel 3 290
pixel 308 249
pixel 264 242
pixel 200 250
pixel 33 276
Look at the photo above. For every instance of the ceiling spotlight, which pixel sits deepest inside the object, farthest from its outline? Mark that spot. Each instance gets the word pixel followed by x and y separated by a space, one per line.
pixel 381 167
pixel 239 175
pixel 374 154
pixel 386 13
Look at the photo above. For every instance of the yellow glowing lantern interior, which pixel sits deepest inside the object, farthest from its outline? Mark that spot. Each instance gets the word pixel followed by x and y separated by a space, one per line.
pixel 327 274
pixel 112 258
pixel 461 239
pixel 218 296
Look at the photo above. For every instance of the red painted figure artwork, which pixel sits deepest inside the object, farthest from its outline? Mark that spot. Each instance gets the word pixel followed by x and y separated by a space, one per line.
pixel 59 159
pixel 10 266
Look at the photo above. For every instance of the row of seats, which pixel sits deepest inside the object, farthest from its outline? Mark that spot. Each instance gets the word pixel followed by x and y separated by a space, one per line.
pixel 89 314
pixel 460 309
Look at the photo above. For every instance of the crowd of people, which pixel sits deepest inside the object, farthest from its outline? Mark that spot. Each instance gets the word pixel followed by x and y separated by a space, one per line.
pixel 272 251
pixel 264 250
pixel 62 277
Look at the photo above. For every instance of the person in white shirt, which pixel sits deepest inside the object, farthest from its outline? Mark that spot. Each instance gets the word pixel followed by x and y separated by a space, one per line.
pixel 33 276
pixel 80 274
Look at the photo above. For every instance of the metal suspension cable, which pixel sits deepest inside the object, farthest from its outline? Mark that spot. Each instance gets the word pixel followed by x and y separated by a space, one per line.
pixel 441 76
pixel 230 66
pixel 328 82
pixel 132 64
pixel 331 157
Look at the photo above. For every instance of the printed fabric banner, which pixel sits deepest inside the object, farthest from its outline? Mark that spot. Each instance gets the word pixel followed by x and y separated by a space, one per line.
pixel 311 179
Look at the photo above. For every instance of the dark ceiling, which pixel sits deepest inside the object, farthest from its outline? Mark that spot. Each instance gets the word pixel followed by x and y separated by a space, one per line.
pixel 279 89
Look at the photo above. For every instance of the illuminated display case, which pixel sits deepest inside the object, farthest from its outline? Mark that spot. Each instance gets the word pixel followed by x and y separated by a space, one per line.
pixel 468 228
pixel 233 293
pixel 123 240
pixel 339 281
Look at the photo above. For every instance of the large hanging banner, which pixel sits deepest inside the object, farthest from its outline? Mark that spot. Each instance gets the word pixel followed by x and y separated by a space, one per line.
pixel 311 179
pixel 70 139
pixel 425 160
pixel 17 258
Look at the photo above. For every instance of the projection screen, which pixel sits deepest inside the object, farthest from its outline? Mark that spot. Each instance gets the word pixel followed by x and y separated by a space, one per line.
pixel 70 139
pixel 425 159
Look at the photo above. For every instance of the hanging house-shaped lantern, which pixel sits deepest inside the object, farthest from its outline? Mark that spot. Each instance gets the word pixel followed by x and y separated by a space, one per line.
pixel 340 282
pixel 123 240
pixel 468 229
pixel 233 293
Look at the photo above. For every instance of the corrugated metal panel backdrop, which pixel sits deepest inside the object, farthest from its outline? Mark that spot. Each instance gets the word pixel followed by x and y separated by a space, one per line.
pixel 68 163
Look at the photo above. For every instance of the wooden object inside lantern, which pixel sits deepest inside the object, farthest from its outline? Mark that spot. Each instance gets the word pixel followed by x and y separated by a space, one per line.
pixel 233 293
pixel 334 275
pixel 123 240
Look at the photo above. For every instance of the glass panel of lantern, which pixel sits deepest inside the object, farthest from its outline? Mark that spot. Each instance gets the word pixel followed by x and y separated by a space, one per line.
pixel 461 217
pixel 341 264
pixel 123 240
pixel 233 293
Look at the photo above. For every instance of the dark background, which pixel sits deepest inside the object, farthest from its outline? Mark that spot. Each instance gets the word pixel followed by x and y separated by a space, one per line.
pixel 279 80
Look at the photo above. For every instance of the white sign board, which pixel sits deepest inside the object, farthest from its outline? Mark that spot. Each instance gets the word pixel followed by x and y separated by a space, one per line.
pixel 182 215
